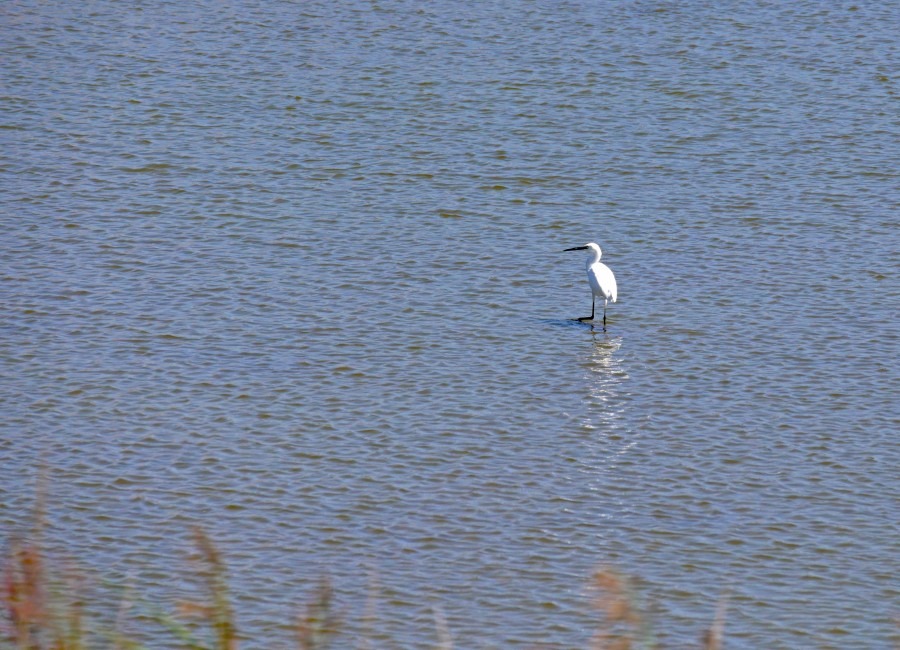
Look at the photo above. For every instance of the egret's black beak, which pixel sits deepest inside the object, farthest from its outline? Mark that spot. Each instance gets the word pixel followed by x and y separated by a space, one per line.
pixel 577 248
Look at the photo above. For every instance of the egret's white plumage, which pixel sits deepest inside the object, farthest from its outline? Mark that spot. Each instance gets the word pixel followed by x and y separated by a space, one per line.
pixel 600 277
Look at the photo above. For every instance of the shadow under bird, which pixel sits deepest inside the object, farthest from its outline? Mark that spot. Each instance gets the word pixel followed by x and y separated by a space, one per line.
pixel 600 277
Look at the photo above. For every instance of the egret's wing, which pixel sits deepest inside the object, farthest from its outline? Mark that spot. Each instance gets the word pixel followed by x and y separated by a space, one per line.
pixel 605 280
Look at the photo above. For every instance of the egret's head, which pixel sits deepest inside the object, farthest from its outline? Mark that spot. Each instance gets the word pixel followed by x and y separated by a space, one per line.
pixel 590 246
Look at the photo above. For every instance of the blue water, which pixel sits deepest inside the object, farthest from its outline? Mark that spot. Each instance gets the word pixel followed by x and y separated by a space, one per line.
pixel 292 272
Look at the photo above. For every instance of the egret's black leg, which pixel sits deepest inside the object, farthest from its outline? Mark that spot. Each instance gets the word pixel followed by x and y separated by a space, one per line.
pixel 604 318
pixel 591 317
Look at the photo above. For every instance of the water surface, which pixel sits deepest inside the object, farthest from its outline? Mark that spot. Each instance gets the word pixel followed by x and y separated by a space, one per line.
pixel 292 272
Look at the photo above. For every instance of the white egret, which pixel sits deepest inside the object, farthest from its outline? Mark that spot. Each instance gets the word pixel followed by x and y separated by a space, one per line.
pixel 601 278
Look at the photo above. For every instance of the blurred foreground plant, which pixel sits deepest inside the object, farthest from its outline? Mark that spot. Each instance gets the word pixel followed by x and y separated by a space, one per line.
pixel 318 623
pixel 44 612
pixel 625 626
pixel 213 610
pixel 39 614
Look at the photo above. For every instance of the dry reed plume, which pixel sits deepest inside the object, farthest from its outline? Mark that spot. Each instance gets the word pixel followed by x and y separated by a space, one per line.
pixel 43 611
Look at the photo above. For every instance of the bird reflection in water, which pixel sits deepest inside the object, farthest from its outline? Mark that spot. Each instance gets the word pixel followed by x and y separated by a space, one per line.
pixel 606 401
pixel 605 374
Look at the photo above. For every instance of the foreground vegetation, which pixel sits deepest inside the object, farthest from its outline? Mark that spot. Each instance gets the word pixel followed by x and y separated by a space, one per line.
pixel 44 608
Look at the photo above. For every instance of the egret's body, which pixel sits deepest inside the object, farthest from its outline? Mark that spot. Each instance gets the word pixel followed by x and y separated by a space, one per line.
pixel 600 277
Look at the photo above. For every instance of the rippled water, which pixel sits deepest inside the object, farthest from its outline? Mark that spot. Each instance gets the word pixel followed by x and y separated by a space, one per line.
pixel 291 271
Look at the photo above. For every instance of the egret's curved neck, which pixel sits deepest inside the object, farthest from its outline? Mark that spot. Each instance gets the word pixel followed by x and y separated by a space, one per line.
pixel 593 258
